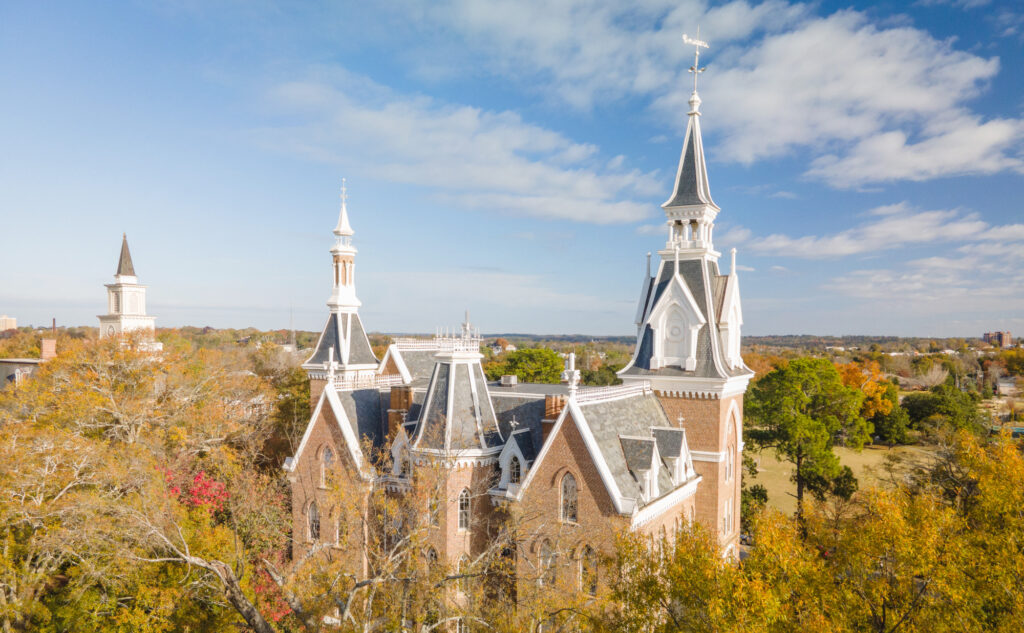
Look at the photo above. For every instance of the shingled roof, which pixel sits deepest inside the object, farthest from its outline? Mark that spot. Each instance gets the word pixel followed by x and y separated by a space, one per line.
pixel 124 263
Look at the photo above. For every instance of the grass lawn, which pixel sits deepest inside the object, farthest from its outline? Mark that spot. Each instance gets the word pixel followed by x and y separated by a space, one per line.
pixel 868 466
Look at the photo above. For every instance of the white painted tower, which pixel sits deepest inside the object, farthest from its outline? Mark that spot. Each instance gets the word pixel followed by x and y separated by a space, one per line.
pixel 126 300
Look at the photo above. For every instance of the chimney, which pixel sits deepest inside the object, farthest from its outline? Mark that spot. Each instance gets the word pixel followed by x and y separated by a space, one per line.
pixel 553 405
pixel 401 400
pixel 47 348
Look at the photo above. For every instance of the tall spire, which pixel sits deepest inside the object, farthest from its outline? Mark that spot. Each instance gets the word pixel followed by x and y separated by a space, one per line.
pixel 124 264
pixel 691 187
pixel 343 253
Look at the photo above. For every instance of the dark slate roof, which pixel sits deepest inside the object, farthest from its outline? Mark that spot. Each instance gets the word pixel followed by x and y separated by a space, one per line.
pixel 638 452
pixel 124 263
pixel 420 364
pixel 466 420
pixel 360 352
pixel 527 409
pixel 695 275
pixel 689 188
pixel 524 440
pixel 607 420
pixel 366 410
pixel 670 442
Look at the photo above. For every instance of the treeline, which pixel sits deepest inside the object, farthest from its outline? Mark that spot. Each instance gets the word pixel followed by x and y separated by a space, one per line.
pixel 143 493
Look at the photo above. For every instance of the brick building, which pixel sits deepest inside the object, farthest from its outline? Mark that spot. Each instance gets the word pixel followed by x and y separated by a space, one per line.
pixel 998 339
pixel 652 455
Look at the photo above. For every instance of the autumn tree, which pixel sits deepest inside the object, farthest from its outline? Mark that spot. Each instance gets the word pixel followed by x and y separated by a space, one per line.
pixel 537 365
pixel 801 411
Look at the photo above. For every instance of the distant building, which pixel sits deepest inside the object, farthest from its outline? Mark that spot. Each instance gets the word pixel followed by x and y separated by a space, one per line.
pixel 998 339
pixel 8 323
pixel 126 301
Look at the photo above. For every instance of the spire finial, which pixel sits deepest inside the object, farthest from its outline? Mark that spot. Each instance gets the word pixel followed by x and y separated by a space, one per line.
pixel 695 69
pixel 732 269
pixel 344 229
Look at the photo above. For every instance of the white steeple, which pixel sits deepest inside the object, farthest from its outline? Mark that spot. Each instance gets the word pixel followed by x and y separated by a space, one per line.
pixel 690 210
pixel 343 295
pixel 126 301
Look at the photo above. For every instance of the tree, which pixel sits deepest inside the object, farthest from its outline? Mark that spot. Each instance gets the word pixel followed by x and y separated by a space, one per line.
pixel 801 411
pixel 943 408
pixel 537 365
pixel 891 427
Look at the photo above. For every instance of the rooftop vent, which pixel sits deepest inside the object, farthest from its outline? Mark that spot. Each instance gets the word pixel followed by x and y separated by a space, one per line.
pixel 509 381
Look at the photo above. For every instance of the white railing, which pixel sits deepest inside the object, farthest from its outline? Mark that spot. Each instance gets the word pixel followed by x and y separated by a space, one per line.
pixel 441 343
pixel 595 394
pixel 416 344
pixel 368 382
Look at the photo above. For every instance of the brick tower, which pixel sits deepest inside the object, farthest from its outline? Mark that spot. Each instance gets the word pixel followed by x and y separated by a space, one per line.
pixel 688 339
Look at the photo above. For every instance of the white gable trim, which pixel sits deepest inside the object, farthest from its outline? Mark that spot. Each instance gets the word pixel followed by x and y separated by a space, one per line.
pixel 305 436
pixel 396 354
pixel 511 450
pixel 676 294
pixel 658 507
pixel 351 441
pixel 622 505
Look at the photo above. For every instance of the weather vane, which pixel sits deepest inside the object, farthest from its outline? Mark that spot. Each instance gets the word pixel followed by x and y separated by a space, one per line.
pixel 697 44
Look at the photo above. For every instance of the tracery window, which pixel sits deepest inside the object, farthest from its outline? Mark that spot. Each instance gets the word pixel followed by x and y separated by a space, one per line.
pixel 464 509
pixel 547 564
pixel 326 462
pixel 514 471
pixel 570 499
pixel 588 571
pixel 314 522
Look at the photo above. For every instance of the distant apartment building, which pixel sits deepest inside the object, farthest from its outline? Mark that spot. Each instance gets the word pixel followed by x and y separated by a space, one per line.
pixel 8 323
pixel 998 339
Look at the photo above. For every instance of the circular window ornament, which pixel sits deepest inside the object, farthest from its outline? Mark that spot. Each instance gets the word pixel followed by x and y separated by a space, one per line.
pixel 675 331
pixel 110 330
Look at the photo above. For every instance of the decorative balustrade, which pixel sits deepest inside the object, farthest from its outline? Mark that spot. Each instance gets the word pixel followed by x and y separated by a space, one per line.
pixel 595 394
pixel 374 381
pixel 441 343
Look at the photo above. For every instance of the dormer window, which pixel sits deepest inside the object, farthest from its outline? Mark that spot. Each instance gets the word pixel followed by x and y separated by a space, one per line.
pixel 514 471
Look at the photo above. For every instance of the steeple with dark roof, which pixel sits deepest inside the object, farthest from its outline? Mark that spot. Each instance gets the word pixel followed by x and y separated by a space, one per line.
pixel 692 188
pixel 124 264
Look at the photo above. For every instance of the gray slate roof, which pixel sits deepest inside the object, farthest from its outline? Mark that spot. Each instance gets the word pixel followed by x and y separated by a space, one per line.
pixel 367 411
pixel 634 417
pixel 420 364
pixel 670 442
pixel 360 352
pixel 638 452
pixel 455 416
pixel 124 263
pixel 528 411
pixel 689 188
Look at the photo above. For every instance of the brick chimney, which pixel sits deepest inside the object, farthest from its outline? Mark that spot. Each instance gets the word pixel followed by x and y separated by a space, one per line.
pixel 401 400
pixel 47 348
pixel 553 405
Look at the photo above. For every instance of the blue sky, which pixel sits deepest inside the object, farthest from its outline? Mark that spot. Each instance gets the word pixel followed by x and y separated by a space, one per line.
pixel 511 157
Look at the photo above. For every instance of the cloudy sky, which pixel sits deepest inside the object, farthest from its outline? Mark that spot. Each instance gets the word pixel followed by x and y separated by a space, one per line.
pixel 511 158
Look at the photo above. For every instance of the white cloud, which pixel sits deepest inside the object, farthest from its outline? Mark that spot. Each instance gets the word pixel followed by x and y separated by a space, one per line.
pixel 746 269
pixel 474 158
pixel 891 226
pixel 872 103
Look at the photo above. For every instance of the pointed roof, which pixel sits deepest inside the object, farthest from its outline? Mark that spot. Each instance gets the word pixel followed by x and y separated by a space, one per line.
pixel 343 228
pixel 124 264
pixel 692 186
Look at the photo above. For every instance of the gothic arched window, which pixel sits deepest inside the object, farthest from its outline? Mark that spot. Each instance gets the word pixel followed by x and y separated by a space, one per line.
pixel 730 462
pixel 570 499
pixel 463 569
pixel 326 461
pixel 314 521
pixel 547 564
pixel 514 471
pixel 588 571
pixel 464 509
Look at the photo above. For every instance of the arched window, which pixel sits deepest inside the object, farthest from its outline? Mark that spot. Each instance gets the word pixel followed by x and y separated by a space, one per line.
pixel 404 464
pixel 463 569
pixel 431 556
pixel 727 518
pixel 588 571
pixel 514 471
pixel 547 564
pixel 314 521
pixel 464 509
pixel 434 511
pixel 570 499
pixel 326 462
pixel 730 462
